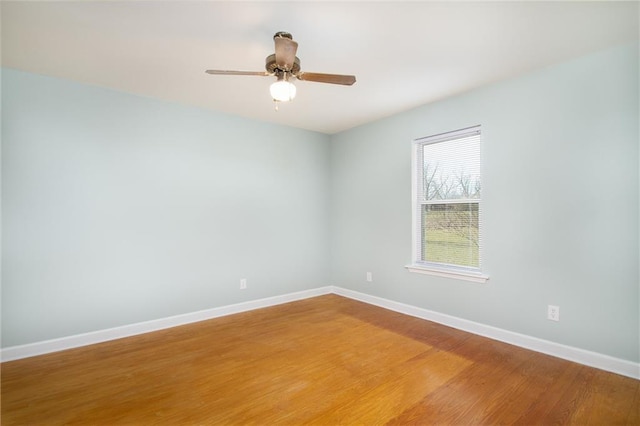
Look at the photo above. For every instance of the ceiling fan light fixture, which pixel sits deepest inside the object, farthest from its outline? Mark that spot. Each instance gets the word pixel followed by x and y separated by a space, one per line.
pixel 283 90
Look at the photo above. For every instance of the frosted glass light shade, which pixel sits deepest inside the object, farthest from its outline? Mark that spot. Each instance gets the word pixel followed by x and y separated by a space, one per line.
pixel 283 91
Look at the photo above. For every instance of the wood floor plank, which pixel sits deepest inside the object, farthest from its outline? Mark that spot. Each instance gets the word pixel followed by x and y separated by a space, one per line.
pixel 468 396
pixel 634 415
pixel 609 397
pixel 526 385
pixel 321 361
pixel 404 385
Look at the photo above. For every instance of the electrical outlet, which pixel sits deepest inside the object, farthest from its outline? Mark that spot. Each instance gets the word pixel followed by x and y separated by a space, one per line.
pixel 369 277
pixel 243 283
pixel 553 313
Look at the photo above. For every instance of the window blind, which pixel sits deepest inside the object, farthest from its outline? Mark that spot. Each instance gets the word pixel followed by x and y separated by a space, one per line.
pixel 448 199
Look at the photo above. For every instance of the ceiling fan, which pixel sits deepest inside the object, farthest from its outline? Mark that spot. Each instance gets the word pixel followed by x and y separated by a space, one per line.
pixel 285 65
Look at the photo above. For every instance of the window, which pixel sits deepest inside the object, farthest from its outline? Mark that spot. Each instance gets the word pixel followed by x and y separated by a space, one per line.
pixel 447 205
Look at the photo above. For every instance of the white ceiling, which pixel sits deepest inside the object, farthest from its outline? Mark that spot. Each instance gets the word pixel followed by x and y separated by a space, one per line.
pixel 403 54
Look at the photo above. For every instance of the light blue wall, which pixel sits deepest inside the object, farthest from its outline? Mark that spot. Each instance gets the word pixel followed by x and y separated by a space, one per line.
pixel 560 204
pixel 119 209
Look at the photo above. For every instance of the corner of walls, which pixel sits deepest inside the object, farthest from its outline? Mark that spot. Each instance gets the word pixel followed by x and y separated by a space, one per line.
pixel 592 359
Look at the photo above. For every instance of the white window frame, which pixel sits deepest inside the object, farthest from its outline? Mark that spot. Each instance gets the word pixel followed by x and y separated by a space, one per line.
pixel 418 265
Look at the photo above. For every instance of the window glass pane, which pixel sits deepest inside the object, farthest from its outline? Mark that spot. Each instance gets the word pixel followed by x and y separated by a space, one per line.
pixel 451 170
pixel 450 234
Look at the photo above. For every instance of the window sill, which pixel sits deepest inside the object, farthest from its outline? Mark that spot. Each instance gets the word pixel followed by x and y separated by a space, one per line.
pixel 448 273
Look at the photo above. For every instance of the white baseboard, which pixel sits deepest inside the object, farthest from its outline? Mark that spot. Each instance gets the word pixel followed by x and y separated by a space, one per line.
pixel 581 356
pixel 39 348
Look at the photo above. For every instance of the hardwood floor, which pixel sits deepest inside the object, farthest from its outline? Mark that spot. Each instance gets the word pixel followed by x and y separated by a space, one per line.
pixel 322 361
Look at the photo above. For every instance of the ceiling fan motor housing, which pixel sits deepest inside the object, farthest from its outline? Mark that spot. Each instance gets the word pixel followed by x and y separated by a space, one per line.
pixel 272 67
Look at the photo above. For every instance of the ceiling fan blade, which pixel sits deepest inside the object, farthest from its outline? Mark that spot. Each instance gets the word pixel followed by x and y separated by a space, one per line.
pixel 346 80
pixel 285 52
pixel 227 72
